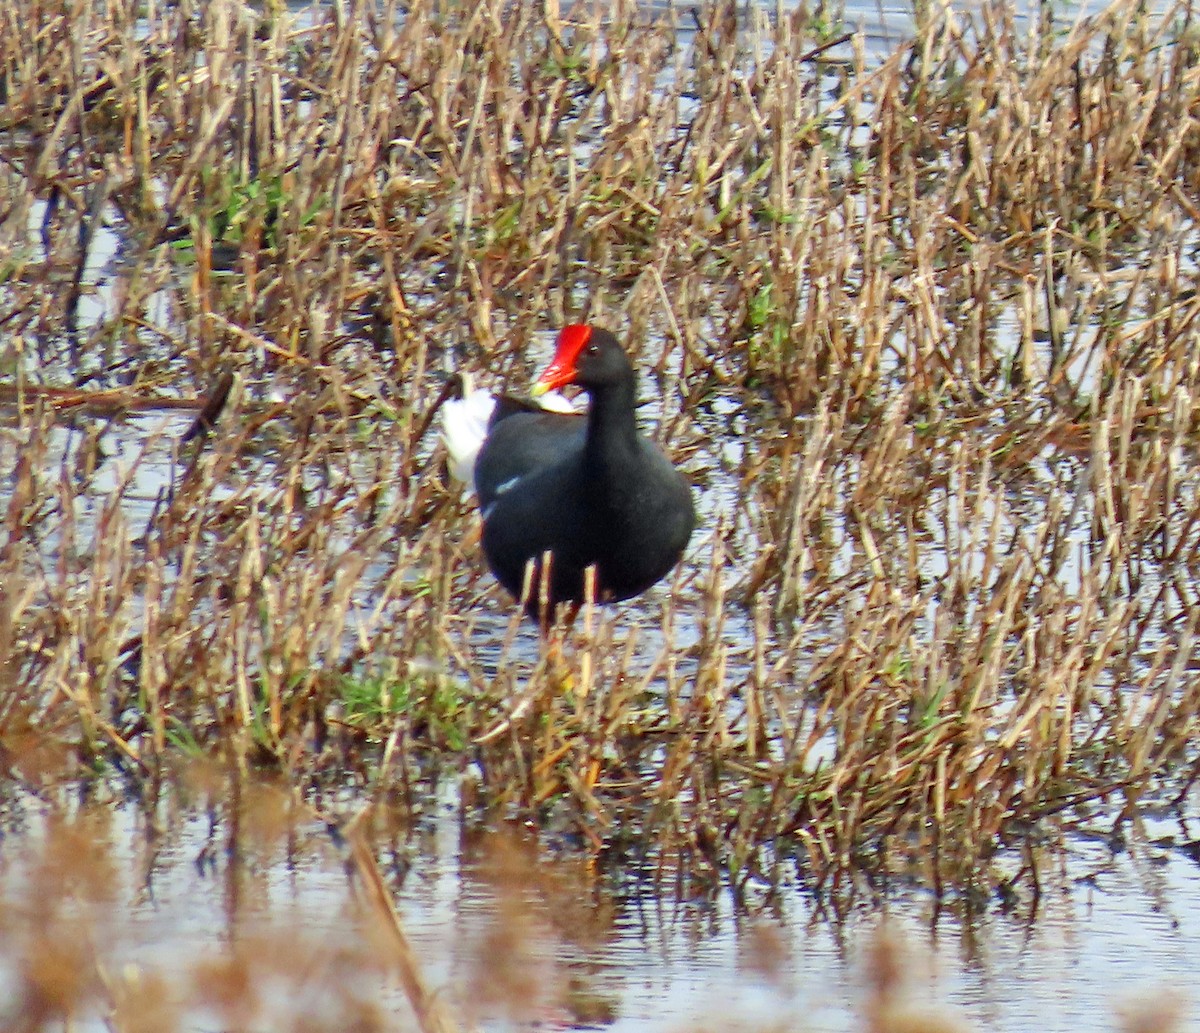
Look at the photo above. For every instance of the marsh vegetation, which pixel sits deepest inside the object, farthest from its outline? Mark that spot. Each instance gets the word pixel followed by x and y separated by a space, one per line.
pixel 920 328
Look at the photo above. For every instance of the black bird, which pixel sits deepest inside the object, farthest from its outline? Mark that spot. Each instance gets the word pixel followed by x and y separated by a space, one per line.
pixel 578 491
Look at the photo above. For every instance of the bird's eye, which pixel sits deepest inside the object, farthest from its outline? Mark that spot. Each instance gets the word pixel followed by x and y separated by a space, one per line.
pixel 593 349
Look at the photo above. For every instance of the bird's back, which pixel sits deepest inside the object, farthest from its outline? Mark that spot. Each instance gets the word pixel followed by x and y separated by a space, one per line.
pixel 522 442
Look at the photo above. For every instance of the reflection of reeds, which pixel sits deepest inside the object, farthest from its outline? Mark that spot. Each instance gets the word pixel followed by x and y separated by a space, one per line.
pixel 216 907
pixel 922 332
pixel 429 1010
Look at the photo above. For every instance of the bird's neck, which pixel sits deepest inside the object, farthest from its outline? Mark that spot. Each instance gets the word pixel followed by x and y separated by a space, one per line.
pixel 612 429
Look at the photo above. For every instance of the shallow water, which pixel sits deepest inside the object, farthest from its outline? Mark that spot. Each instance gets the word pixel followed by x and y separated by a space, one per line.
pixel 515 947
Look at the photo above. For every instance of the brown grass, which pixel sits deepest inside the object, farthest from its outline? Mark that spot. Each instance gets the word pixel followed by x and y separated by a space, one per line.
pixel 921 329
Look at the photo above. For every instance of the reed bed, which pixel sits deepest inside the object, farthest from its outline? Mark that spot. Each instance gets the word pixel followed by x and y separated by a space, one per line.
pixel 920 327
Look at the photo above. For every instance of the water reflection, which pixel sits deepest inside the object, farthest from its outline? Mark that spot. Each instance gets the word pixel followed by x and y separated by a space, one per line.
pixel 227 904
